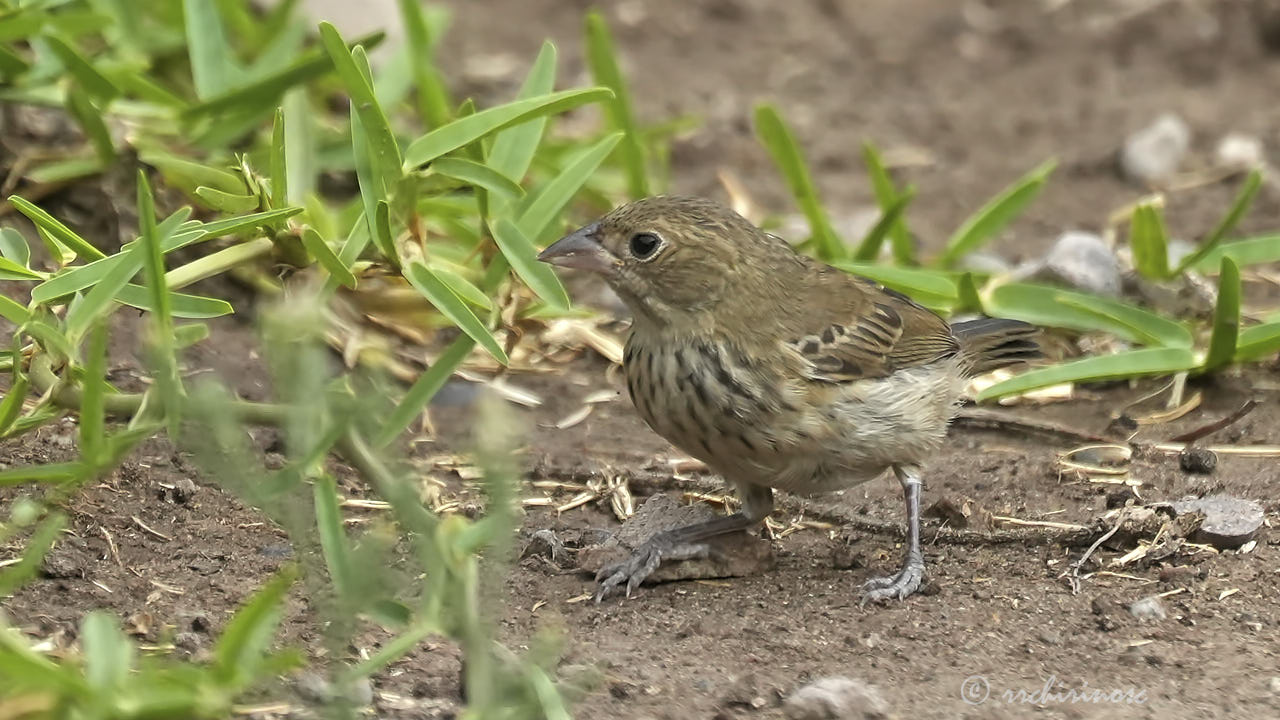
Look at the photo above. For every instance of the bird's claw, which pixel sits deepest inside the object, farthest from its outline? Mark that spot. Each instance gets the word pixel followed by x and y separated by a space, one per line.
pixel 906 582
pixel 642 562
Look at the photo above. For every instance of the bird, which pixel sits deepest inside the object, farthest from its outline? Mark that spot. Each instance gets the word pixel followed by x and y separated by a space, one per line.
pixel 777 370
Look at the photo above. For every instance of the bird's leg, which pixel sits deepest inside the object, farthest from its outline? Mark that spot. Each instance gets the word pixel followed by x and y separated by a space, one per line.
pixel 684 543
pixel 908 579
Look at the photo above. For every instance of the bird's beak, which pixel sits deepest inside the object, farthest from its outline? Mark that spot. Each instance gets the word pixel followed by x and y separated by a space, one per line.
pixel 581 250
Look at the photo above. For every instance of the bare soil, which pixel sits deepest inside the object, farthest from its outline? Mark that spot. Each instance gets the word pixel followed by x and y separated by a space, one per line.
pixel 988 91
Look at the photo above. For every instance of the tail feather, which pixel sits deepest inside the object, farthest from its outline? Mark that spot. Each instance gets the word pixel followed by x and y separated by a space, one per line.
pixel 991 343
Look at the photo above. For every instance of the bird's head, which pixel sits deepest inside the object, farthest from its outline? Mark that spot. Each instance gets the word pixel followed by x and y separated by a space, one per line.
pixel 673 259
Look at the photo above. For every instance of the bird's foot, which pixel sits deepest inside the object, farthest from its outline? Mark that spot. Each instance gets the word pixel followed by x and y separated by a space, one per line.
pixel 906 582
pixel 644 560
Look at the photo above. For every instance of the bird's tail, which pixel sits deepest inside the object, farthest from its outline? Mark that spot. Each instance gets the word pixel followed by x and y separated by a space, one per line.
pixel 988 344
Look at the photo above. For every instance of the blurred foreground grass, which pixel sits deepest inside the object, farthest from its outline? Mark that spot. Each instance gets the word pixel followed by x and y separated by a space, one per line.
pixel 243 113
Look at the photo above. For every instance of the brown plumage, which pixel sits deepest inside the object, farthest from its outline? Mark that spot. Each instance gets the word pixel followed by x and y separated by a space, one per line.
pixel 776 370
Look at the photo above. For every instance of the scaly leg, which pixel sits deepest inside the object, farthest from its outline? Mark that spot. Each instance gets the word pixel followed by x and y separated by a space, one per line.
pixel 683 543
pixel 908 579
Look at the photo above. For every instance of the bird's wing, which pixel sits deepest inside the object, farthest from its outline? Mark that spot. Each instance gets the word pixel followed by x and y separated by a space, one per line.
pixel 862 330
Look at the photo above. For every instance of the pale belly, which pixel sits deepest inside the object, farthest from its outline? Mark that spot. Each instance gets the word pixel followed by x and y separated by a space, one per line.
pixel 767 434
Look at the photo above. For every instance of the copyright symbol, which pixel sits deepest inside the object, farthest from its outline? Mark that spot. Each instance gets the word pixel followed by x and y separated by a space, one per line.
pixel 975 690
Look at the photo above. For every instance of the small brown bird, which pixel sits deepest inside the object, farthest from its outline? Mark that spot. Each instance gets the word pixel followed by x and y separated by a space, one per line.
pixel 776 370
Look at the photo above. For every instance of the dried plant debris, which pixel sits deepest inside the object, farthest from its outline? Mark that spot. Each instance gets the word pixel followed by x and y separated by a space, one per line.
pixel 734 555
pixel 962 512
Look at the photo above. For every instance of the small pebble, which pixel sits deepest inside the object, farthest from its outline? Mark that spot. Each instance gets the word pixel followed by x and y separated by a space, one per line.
pixel 188 641
pixel 1080 260
pixel 1275 684
pixel 1154 153
pixel 1198 460
pixel 183 490
pixel 1241 151
pixel 836 698
pixel 1149 608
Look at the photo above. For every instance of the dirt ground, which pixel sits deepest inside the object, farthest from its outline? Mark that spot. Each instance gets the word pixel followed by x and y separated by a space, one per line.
pixel 986 91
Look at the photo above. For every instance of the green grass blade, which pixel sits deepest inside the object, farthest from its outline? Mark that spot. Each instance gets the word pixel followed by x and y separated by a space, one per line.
pixel 1148 328
pixel 94 82
pixel 108 654
pixel 213 67
pixel 12 311
pixel 481 176
pixel 452 307
pixel 996 213
pixel 539 211
pixel 381 142
pixel 48 336
pixel 184 336
pixel 10 270
pixel 247 637
pixel 602 58
pixel 89 118
pixel 327 258
pixel 227 202
pixel 190 175
pixel 96 303
pixel 14 247
pixel 382 231
pixel 57 230
pixel 160 337
pixel 78 278
pixel 1054 307
pixel 890 218
pixel 463 131
pixel 1130 364
pixel 462 287
pixel 1258 342
pixel 1226 318
pixel 785 151
pixel 14 395
pixel 433 96
pixel 333 539
pixel 888 197
pixel 1250 251
pixel 299 148
pixel 189 307
pixel 513 149
pixel 11 65
pixel 1244 199
pixel 267 91
pixel 423 389
pixel 1149 241
pixel 969 296
pixel 91 413
pixel 523 256
pixel 50 473
pixel 234 225
pixel 44 673
pixel 277 167
pixel 924 285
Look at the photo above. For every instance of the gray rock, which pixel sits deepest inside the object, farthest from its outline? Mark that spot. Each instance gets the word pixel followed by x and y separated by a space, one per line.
pixel 1149 608
pixel 1154 153
pixel 1080 260
pixel 836 698
pixel 1229 522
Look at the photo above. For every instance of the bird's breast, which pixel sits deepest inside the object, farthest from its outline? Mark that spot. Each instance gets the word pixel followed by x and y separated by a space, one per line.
pixel 712 400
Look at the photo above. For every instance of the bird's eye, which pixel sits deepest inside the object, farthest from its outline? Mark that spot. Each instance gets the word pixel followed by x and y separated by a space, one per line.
pixel 644 245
